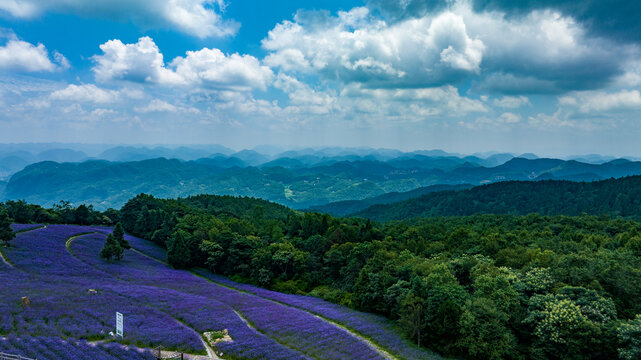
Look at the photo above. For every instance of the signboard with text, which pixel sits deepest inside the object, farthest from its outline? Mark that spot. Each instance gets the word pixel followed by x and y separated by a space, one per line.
pixel 119 324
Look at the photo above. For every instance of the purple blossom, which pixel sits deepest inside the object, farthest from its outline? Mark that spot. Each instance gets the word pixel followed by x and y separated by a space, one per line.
pixel 161 306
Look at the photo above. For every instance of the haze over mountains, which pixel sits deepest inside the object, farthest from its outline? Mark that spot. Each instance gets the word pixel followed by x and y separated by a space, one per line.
pixel 107 176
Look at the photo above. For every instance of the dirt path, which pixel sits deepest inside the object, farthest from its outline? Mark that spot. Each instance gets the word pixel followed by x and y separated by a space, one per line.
pixel 374 346
pixel 72 238
pixel 4 260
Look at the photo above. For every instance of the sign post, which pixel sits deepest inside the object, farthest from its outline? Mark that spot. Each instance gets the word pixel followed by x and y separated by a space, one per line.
pixel 119 324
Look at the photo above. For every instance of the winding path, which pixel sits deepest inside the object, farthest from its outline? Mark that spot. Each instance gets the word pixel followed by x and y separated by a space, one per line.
pixel 4 260
pixel 211 354
pixel 371 344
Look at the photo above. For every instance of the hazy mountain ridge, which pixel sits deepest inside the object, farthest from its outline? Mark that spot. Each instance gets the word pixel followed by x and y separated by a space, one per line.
pixel 292 182
pixel 613 197
pixel 347 207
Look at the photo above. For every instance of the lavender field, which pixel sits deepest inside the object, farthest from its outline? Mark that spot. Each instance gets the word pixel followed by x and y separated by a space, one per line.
pixel 74 295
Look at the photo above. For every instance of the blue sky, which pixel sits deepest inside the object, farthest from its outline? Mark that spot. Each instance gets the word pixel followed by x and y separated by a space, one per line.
pixel 550 77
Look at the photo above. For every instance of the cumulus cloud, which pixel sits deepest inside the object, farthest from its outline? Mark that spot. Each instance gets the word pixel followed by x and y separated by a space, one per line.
pixel 304 99
pixel 511 102
pixel 139 62
pixel 356 47
pixel 199 18
pixel 595 15
pixel 101 112
pixel 210 67
pixel 414 103
pixel 23 56
pixel 509 118
pixel 143 62
pixel 546 51
pixel 599 101
pixel 157 105
pixel 85 93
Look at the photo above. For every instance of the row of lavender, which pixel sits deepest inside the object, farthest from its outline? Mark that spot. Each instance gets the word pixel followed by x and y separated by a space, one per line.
pixel 52 348
pixel 24 227
pixel 376 328
pixel 292 327
pixel 58 286
pixel 161 305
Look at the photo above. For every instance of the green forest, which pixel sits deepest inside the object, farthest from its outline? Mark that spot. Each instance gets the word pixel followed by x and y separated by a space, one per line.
pixel 478 287
pixel 614 197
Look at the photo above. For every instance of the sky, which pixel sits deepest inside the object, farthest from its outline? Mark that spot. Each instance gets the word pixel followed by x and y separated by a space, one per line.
pixel 550 77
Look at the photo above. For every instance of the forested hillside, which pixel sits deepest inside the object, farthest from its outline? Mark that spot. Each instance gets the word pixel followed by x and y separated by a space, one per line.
pixel 614 197
pixel 482 286
pixel 347 207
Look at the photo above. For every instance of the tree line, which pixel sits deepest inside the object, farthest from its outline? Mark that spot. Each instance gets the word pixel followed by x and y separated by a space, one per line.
pixel 481 286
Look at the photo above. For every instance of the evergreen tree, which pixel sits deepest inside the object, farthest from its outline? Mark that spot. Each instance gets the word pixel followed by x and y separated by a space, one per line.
pixel 119 235
pixel 178 253
pixel 111 249
pixel 6 234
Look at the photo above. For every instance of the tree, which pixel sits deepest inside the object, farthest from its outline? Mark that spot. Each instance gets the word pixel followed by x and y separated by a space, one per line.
pixel 111 249
pixel 119 235
pixel 178 253
pixel 82 215
pixel 484 331
pixel 6 234
pixel 412 318
pixel 562 330
pixel 629 334
pixel 214 253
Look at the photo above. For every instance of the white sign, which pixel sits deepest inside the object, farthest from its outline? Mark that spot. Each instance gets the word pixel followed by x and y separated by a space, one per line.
pixel 119 324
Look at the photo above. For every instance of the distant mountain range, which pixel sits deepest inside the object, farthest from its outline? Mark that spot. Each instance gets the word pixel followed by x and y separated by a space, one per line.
pixel 300 179
pixel 613 197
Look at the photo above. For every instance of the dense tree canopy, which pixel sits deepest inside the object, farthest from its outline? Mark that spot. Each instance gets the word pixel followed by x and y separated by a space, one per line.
pixel 614 197
pixel 482 286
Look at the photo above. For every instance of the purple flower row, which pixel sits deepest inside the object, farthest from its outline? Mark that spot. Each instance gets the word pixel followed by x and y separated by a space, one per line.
pixel 295 328
pixel 51 348
pixel 24 227
pixel 377 328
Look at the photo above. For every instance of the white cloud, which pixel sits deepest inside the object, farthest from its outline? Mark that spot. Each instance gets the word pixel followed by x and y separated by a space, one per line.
pixel 543 51
pixel 415 104
pixel 23 56
pixel 304 99
pixel 212 68
pixel 143 62
pixel 600 101
pixel 558 119
pixel 501 122
pixel 85 93
pixel 511 102
pixel 509 118
pixel 139 62
pixel 100 112
pixel 356 47
pixel 199 18
pixel 157 105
